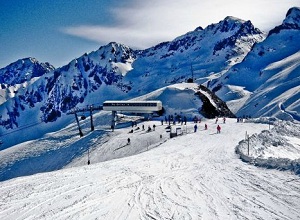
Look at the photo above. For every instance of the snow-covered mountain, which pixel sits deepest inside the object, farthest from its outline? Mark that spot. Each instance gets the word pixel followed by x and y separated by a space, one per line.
pixel 65 148
pixel 20 74
pixel 62 89
pixel 226 57
pixel 115 71
pixel 267 81
pixel 181 99
pixel 194 100
pixel 198 54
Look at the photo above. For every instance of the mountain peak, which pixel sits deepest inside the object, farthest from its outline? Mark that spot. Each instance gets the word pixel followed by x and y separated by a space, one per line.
pixel 114 45
pixel 293 16
pixel 233 24
pixel 291 21
pixel 23 70
pixel 234 19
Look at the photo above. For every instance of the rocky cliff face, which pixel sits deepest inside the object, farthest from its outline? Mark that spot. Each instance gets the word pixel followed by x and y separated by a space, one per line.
pixel 212 106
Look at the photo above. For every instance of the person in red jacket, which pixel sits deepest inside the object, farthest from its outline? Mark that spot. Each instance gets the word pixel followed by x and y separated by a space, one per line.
pixel 218 129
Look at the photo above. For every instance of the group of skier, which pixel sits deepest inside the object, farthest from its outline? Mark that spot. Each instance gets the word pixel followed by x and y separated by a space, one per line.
pixel 205 128
pixel 173 119
pixel 170 118
pixel 196 120
pixel 217 119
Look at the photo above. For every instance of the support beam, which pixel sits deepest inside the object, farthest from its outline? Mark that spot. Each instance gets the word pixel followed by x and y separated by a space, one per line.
pixel 80 132
pixel 91 116
pixel 113 119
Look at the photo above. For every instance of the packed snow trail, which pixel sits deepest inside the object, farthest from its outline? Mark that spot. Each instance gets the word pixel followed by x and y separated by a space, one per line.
pixel 194 176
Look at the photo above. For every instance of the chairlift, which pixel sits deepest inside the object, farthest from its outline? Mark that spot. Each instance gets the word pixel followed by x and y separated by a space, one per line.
pixel 84 115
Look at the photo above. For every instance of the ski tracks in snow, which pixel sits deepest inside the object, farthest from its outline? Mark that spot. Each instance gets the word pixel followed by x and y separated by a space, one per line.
pixel 213 183
pixel 194 176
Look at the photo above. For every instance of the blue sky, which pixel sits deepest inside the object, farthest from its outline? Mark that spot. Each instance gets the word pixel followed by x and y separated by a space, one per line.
pixel 58 31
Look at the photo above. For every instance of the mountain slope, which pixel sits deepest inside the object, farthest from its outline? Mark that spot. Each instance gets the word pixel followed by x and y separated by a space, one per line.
pixel 280 94
pixel 182 99
pixel 62 89
pixel 198 54
pixel 274 58
pixel 20 159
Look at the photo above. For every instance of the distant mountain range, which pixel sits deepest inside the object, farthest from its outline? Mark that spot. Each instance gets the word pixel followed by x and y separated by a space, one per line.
pixel 255 73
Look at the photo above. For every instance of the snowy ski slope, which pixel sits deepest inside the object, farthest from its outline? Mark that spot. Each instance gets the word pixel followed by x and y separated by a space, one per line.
pixel 193 176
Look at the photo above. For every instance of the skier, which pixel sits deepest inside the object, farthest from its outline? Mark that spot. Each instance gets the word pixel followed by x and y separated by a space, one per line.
pixel 195 128
pixel 224 120
pixel 218 129
pixel 195 119
pixel 128 141
pixel 205 126
pixel 217 120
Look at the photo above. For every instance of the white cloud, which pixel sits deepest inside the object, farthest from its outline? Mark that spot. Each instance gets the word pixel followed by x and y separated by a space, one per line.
pixel 126 35
pixel 144 24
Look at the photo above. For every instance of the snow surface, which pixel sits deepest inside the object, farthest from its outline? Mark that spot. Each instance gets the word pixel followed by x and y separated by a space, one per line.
pixel 192 176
